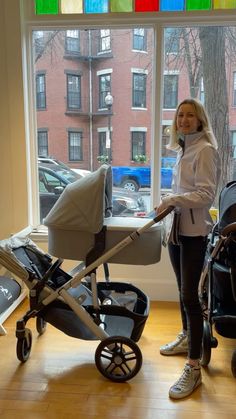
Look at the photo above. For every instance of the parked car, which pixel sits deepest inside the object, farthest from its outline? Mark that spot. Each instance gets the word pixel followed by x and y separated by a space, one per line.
pixel 51 162
pixel 133 178
pixel 52 183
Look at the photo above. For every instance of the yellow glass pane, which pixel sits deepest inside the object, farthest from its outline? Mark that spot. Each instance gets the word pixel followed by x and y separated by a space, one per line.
pixel 224 4
pixel 71 6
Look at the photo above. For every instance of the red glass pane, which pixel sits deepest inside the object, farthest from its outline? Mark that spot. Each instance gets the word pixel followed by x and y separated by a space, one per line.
pixel 146 5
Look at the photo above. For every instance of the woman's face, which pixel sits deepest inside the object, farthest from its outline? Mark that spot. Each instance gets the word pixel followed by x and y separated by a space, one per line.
pixel 187 122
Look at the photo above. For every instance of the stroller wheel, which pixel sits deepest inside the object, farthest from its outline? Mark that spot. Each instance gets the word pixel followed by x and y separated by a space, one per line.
pixel 206 344
pixel 118 358
pixel 41 325
pixel 233 364
pixel 23 346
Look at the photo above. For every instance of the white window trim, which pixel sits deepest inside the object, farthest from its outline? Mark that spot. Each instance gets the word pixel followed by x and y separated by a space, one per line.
pixel 138 129
pixel 139 71
pixel 104 71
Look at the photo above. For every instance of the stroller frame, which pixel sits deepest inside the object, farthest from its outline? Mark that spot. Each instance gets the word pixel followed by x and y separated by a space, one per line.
pixel 219 311
pixel 117 357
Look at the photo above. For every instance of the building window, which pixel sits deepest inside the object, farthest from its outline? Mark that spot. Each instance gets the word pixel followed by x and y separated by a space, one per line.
pixel 171 39
pixel 105 40
pixel 170 91
pixel 75 145
pixel 103 150
pixel 43 143
pixel 72 42
pixel 73 92
pixel 139 90
pixel 138 144
pixel 234 88
pixel 140 39
pixel 40 91
pixel 104 88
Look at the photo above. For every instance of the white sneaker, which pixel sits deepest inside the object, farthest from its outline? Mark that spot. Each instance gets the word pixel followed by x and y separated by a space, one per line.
pixel 178 346
pixel 190 379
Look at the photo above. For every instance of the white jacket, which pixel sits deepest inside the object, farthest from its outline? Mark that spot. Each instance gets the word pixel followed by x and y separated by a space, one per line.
pixel 195 179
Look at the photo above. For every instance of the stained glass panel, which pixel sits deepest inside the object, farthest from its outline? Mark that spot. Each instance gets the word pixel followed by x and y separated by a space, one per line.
pixel 224 4
pixel 95 6
pixel 71 6
pixel 146 5
pixel 121 5
pixel 198 4
pixel 171 5
pixel 46 7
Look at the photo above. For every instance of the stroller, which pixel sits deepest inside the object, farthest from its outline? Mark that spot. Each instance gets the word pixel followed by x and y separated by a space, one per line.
pixel 81 228
pixel 218 281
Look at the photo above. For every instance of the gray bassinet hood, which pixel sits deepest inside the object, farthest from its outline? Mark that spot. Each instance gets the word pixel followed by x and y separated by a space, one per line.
pixel 84 203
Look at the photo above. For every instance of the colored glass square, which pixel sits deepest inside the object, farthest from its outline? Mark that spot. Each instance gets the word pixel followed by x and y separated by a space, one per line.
pixel 224 4
pixel 198 4
pixel 121 5
pixel 96 6
pixel 146 5
pixel 172 5
pixel 46 7
pixel 71 6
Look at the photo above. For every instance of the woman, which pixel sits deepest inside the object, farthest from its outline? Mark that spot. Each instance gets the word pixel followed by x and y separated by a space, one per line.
pixel 195 180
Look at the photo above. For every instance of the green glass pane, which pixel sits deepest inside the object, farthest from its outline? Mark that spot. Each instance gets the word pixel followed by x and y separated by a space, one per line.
pixel 224 4
pixel 198 4
pixel 121 5
pixel 46 7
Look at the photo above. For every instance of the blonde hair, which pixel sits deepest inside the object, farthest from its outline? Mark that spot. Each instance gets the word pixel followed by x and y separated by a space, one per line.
pixel 204 127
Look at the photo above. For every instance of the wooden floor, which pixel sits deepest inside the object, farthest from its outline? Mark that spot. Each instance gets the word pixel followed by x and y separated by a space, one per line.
pixel 60 379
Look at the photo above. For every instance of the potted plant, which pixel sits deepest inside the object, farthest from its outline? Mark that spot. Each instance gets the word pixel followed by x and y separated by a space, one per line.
pixel 140 158
pixel 102 159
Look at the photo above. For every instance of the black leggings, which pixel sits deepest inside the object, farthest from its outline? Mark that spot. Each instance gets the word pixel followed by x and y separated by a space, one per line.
pixel 187 260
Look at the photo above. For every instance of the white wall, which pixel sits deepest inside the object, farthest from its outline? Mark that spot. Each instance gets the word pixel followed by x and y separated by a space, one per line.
pixel 13 184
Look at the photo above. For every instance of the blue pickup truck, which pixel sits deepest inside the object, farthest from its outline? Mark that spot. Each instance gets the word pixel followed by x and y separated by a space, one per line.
pixel 134 178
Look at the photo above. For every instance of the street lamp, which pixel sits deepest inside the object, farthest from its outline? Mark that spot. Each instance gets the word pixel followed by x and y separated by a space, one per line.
pixel 109 102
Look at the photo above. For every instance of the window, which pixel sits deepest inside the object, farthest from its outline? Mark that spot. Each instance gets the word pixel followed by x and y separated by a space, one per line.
pixel 40 91
pixel 73 92
pixel 72 42
pixel 75 146
pixel 234 88
pixel 139 90
pixel 42 143
pixel 105 40
pixel 104 88
pixel 104 146
pixel 138 145
pixel 140 39
pixel 170 91
pixel 172 40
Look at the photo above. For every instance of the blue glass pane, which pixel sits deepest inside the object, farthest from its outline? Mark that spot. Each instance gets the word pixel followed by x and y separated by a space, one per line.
pixel 96 6
pixel 171 5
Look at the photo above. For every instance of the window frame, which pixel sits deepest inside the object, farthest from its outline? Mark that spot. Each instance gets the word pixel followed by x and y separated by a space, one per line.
pixel 73 95
pixel 157 21
pixel 80 137
pixel 41 95
pixel 139 94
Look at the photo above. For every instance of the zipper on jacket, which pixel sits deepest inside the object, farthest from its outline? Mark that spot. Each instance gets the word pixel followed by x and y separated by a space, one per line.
pixel 191 215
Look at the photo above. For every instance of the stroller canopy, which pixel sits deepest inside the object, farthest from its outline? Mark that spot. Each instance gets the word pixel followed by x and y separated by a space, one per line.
pixel 84 204
pixel 227 205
